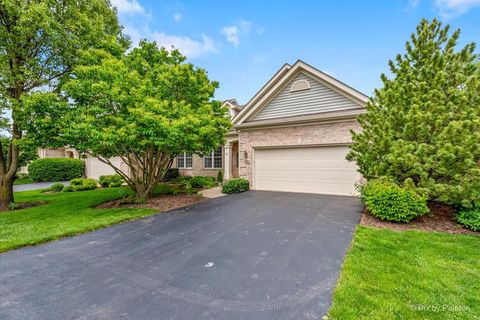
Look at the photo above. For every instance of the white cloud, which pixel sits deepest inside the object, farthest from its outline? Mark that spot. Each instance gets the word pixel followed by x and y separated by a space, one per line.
pixel 187 46
pixel 136 21
pixel 128 6
pixel 233 33
pixel 449 9
pixel 177 17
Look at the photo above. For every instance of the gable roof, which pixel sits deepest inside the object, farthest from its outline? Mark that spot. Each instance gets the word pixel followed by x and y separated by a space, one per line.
pixel 283 77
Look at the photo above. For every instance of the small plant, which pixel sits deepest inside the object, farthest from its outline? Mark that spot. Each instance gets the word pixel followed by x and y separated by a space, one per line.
pixel 202 182
pixel 68 189
pixel 57 187
pixel 22 175
pixel 77 182
pixel 388 201
pixel 235 186
pixel 470 218
pixel 108 180
pixel 172 174
pixel 220 177
pixel 90 184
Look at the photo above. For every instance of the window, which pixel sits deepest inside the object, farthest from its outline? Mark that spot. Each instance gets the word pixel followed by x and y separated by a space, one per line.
pixel 300 85
pixel 214 159
pixel 184 161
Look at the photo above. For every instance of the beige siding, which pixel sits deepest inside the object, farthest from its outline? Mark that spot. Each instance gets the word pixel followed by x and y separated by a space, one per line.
pixel 319 98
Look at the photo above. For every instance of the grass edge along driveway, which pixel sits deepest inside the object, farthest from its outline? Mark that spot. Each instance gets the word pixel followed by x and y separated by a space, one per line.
pixel 409 275
pixel 65 214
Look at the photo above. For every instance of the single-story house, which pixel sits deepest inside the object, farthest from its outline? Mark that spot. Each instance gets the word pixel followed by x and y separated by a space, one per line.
pixel 293 135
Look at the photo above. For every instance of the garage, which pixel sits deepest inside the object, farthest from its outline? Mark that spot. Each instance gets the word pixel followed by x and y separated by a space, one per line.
pixel 320 169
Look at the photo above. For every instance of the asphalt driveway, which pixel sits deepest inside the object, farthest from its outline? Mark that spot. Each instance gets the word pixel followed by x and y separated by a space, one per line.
pixel 36 186
pixel 256 255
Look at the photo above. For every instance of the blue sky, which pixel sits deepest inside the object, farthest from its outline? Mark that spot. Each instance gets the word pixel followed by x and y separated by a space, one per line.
pixel 243 43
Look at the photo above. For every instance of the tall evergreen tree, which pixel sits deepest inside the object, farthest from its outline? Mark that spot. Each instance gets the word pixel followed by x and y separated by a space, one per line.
pixel 423 127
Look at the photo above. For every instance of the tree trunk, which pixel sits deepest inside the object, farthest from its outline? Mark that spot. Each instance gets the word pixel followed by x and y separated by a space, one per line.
pixel 6 193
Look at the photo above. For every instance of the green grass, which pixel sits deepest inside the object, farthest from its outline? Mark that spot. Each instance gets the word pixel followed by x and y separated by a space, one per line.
pixel 23 181
pixel 65 214
pixel 393 275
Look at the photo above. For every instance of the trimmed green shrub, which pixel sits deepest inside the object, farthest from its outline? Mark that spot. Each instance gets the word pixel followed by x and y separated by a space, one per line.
pixel 115 184
pixel 470 218
pixel 172 174
pixel 19 175
pixel 235 186
pixel 106 181
pixel 77 182
pixel 388 201
pixel 55 169
pixel 68 189
pixel 220 177
pixel 79 188
pixel 90 184
pixel 199 181
pixel 57 187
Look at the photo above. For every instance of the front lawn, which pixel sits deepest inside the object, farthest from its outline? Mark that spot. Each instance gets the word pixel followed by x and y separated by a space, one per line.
pixel 65 214
pixel 409 275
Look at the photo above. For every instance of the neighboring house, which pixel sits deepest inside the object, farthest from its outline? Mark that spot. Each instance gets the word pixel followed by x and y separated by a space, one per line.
pixel 293 135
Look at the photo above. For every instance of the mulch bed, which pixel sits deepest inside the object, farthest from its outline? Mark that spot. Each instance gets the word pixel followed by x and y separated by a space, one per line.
pixel 26 205
pixel 440 219
pixel 160 203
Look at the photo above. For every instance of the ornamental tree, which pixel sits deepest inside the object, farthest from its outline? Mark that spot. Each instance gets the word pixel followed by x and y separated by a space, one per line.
pixel 39 45
pixel 145 107
pixel 423 127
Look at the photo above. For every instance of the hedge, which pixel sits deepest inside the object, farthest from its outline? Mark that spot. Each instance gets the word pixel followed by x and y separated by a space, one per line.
pixel 55 169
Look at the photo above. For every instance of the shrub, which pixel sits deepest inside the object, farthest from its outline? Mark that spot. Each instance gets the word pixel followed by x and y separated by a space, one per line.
pixel 199 182
pixel 90 184
pixel 235 186
pixel 55 169
pixel 172 174
pixel 79 188
pixel 388 201
pixel 220 177
pixel 115 184
pixel 22 175
pixel 68 189
pixel 57 187
pixel 106 181
pixel 470 218
pixel 77 182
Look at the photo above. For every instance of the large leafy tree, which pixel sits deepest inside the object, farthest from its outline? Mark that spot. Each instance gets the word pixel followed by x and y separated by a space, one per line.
pixel 39 45
pixel 423 127
pixel 146 107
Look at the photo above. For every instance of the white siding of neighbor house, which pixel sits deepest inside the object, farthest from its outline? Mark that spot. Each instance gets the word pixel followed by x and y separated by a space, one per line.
pixel 319 98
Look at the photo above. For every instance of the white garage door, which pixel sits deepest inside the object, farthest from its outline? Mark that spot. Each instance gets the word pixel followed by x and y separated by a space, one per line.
pixel 95 168
pixel 311 170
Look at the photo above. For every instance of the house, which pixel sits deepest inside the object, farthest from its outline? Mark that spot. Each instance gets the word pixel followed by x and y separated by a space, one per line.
pixel 293 135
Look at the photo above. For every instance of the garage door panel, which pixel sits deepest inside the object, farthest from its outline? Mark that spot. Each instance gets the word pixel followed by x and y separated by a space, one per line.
pixel 311 170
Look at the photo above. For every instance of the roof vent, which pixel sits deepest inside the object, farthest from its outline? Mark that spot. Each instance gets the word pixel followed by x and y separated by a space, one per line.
pixel 300 85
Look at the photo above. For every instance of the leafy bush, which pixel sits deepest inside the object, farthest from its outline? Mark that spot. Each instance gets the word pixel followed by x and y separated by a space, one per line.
pixel 115 184
pixel 470 218
pixel 77 182
pixel 55 169
pixel 22 175
pixel 68 189
pixel 199 181
pixel 388 201
pixel 235 186
pixel 90 184
pixel 107 181
pixel 172 174
pixel 57 187
pixel 220 177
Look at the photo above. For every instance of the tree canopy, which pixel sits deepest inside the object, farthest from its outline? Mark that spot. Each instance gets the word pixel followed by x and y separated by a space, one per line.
pixel 422 128
pixel 146 107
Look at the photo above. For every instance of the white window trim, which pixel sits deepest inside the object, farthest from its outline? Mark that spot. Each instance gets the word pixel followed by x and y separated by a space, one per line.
pixel 212 157
pixel 184 156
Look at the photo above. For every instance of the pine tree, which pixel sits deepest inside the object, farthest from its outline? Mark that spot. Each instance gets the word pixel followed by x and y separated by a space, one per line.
pixel 423 127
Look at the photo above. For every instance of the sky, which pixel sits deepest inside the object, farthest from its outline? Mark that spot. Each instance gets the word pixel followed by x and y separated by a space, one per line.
pixel 242 43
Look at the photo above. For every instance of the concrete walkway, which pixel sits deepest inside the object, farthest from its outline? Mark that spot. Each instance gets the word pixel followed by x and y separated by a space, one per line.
pixel 36 186
pixel 211 193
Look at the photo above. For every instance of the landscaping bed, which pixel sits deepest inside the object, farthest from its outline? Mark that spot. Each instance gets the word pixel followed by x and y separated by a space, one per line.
pixel 441 218
pixel 160 203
